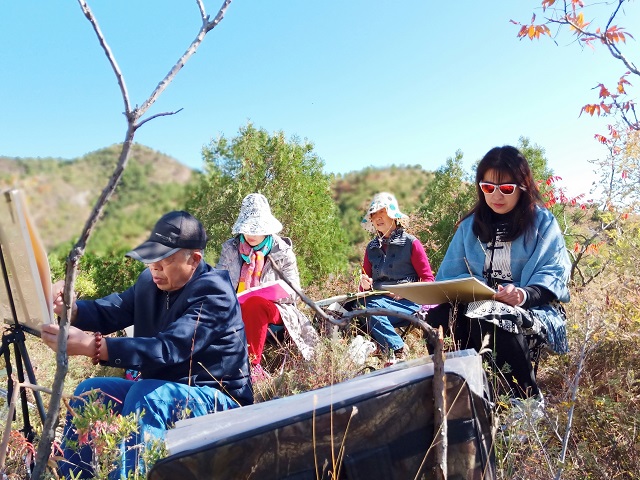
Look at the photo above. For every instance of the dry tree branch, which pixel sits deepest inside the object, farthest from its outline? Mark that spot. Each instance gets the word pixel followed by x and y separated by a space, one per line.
pixel 440 407
pixel 435 339
pixel 566 19
pixel 4 445
pixel 107 50
pixel 132 116
pixel 204 29
pixel 223 9
pixel 584 351
pixel 163 114
pixel 613 49
pixel 345 318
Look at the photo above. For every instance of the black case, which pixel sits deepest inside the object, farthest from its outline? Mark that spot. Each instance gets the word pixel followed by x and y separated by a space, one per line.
pixel 376 426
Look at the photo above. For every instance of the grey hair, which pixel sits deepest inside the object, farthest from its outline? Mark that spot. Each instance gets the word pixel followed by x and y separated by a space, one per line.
pixel 190 251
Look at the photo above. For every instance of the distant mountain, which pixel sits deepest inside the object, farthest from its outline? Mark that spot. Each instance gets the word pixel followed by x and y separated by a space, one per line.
pixel 61 194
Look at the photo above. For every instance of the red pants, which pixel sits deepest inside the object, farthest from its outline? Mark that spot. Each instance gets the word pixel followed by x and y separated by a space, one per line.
pixel 257 314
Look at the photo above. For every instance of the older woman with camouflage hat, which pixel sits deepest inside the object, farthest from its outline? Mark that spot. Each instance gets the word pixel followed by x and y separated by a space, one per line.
pixel 392 257
pixel 248 257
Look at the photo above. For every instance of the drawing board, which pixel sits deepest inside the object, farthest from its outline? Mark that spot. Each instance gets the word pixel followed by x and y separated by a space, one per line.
pixel 467 289
pixel 348 297
pixel 27 266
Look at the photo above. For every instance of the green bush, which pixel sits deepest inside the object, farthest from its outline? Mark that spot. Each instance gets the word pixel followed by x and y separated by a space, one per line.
pixel 99 275
pixel 290 175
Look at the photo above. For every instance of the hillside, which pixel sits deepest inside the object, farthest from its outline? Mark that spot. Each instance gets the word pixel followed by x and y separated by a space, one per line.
pixel 353 192
pixel 61 194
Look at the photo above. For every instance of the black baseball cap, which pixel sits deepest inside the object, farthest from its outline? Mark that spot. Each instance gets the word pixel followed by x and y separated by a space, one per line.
pixel 174 231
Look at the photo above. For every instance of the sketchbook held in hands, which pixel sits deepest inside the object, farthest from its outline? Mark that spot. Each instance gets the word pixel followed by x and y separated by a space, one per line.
pixel 274 291
pixel 466 290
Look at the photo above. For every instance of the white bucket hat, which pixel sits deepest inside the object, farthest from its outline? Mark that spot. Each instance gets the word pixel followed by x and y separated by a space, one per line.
pixel 255 217
pixel 382 200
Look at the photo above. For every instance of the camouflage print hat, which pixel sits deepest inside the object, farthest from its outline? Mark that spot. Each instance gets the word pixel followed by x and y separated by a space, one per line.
pixel 255 217
pixel 387 201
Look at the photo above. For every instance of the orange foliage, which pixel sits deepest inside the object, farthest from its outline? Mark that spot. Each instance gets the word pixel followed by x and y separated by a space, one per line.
pixel 604 93
pixel 613 132
pixel 591 249
pixel 622 82
pixel 577 23
pixel 574 19
pixel 532 30
pixel 615 34
pixel 553 179
pixel 596 109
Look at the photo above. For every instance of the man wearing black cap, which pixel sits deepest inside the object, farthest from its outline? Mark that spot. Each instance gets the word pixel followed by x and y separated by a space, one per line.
pixel 189 342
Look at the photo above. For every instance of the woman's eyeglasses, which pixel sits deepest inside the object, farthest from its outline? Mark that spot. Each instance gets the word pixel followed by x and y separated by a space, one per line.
pixel 505 188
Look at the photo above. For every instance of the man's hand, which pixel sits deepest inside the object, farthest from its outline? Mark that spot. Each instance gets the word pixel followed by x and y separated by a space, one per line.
pixel 78 342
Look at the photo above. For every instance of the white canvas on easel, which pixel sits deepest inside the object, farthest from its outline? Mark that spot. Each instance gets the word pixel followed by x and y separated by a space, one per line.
pixel 27 266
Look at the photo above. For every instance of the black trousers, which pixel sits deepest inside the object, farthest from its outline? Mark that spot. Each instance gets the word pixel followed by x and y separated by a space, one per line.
pixel 506 352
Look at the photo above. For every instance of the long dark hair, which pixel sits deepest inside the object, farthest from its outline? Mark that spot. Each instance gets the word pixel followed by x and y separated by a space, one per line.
pixel 506 162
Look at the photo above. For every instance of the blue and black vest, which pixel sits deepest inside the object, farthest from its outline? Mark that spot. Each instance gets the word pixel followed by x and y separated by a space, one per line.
pixel 395 266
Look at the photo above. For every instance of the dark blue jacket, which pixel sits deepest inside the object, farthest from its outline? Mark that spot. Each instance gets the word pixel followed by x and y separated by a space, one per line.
pixel 194 335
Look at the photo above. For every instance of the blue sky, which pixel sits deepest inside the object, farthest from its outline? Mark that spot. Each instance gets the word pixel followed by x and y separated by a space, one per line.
pixel 370 83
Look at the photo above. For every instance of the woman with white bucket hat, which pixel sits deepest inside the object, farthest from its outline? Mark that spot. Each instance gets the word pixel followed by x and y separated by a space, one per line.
pixel 248 257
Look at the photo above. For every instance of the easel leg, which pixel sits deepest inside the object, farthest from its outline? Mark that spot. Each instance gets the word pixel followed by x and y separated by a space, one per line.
pixel 15 337
pixel 24 354
pixel 28 428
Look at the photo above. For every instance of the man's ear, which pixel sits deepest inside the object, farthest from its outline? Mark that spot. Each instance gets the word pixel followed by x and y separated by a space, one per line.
pixel 196 256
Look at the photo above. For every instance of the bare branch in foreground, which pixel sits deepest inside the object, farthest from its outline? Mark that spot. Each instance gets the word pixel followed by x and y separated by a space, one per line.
pixel 163 114
pixel 584 351
pixel 436 341
pixel 440 408
pixel 7 427
pixel 132 116
pixel 107 50
pixel 164 83
pixel 345 318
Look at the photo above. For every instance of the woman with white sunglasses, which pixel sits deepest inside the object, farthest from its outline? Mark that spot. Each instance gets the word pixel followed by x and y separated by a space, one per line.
pixel 513 243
